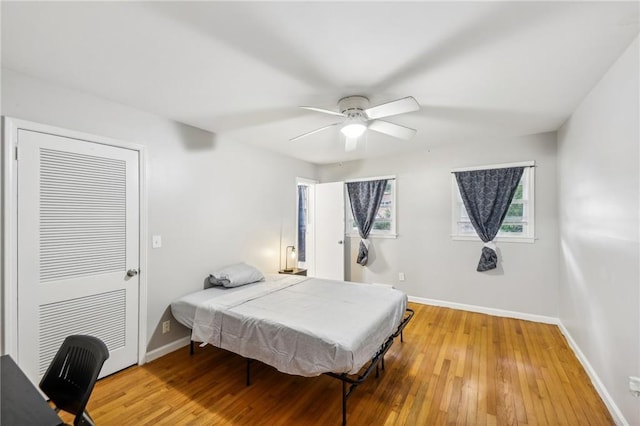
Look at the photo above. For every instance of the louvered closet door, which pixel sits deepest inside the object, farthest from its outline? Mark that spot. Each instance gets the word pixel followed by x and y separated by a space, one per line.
pixel 78 219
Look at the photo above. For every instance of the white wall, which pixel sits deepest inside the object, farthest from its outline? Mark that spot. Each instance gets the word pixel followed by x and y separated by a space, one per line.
pixel 437 267
pixel 599 298
pixel 213 201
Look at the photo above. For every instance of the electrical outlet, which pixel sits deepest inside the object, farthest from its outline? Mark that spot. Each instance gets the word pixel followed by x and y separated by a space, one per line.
pixel 166 326
pixel 401 276
pixel 634 386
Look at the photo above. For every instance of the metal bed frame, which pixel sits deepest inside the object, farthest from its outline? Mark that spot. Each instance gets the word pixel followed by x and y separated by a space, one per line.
pixel 351 381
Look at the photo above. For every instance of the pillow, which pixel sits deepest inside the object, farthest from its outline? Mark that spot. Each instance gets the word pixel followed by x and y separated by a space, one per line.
pixel 236 275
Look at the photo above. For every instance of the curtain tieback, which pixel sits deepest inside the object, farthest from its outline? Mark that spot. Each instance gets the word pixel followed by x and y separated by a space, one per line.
pixel 491 245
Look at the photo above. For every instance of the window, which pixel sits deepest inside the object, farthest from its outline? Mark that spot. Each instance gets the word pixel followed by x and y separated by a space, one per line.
pixel 385 222
pixel 518 225
pixel 305 237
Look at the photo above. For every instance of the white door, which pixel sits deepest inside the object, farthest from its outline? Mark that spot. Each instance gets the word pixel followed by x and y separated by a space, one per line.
pixel 78 221
pixel 329 227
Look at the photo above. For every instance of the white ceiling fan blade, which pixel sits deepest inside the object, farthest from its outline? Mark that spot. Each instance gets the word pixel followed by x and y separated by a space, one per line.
pixel 400 106
pixel 391 129
pixel 312 132
pixel 325 111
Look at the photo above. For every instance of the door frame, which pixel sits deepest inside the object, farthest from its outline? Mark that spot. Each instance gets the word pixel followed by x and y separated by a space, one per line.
pixel 9 331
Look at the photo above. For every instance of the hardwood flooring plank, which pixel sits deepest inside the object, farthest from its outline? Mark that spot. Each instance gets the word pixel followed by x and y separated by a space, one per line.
pixel 455 367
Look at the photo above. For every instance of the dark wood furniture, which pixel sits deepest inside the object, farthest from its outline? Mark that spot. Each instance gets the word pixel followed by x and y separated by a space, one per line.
pixel 294 271
pixel 21 402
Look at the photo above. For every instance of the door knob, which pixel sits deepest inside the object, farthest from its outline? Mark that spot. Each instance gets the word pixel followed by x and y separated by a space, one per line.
pixel 132 272
pixel 340 242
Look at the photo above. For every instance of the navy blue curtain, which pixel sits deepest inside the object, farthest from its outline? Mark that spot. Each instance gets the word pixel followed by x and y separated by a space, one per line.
pixel 302 222
pixel 486 195
pixel 365 198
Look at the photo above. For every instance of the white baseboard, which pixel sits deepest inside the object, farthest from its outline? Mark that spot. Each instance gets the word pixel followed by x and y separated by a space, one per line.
pixel 484 310
pixel 615 412
pixel 167 349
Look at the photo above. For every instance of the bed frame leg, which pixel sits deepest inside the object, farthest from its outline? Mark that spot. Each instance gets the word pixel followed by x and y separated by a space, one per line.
pixel 344 403
pixel 191 347
pixel 249 371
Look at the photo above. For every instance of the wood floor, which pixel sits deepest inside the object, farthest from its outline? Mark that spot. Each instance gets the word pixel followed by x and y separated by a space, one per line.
pixel 454 367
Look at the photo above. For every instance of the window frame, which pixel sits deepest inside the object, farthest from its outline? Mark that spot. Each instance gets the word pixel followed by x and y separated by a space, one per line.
pixel 351 231
pixel 529 190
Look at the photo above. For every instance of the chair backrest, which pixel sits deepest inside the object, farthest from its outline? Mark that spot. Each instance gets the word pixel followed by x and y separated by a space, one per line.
pixel 70 378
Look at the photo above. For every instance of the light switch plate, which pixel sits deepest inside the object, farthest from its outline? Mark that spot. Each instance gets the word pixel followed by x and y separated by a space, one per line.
pixel 156 241
pixel 634 386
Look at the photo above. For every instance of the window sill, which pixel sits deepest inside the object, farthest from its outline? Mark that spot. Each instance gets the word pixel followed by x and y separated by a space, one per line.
pixel 528 240
pixel 391 236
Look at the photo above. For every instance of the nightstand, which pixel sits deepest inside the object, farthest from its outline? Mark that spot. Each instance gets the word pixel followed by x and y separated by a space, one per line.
pixel 295 271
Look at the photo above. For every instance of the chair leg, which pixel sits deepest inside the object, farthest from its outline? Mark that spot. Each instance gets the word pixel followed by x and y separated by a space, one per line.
pixel 84 419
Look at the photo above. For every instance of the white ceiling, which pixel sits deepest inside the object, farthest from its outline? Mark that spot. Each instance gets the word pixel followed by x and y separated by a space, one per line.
pixel 478 69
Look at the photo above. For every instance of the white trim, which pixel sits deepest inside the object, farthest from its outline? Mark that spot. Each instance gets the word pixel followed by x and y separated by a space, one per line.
pixel 615 412
pixel 390 177
pixel 305 181
pixel 388 236
pixel 10 220
pixel 495 166
pixel 531 208
pixel 143 172
pixel 484 310
pixel 530 240
pixel 167 349
pixel 9 238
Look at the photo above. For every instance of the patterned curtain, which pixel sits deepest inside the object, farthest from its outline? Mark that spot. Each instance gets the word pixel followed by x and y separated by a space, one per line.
pixel 487 195
pixel 302 222
pixel 365 198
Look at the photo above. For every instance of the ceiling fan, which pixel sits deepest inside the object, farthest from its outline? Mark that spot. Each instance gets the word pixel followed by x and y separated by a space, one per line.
pixel 358 117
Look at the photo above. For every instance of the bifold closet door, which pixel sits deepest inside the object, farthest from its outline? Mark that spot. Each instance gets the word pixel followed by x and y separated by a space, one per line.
pixel 78 248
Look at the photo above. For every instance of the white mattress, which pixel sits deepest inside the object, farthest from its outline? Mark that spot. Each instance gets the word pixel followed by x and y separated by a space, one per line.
pixel 299 325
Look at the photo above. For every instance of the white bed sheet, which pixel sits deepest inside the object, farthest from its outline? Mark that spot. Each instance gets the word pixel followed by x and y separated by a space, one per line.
pixel 299 325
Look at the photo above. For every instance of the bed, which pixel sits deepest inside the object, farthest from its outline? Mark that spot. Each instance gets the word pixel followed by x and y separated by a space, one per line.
pixel 300 325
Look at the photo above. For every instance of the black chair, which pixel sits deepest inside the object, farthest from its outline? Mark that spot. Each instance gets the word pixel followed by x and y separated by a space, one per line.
pixel 70 378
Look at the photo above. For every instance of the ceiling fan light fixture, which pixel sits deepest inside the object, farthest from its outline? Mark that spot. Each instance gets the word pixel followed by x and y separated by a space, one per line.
pixel 359 118
pixel 353 130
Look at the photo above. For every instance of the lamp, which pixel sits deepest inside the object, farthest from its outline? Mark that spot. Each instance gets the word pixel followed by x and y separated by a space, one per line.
pixel 353 130
pixel 287 255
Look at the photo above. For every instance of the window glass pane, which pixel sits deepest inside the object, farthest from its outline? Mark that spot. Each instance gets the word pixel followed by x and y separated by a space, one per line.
pixel 519 190
pixel 512 228
pixel 382 225
pixel 515 210
pixel 466 228
pixel 384 213
pixel 463 213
